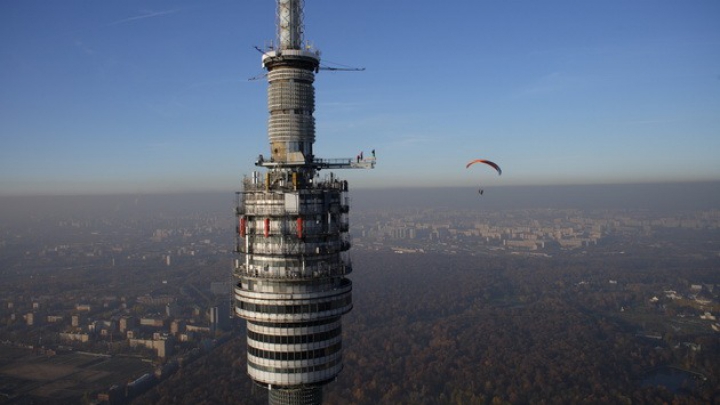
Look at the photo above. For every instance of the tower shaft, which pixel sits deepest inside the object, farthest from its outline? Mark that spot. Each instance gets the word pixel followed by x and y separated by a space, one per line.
pixel 293 235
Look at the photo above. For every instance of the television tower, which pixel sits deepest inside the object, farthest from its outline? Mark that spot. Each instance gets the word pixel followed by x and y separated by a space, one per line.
pixel 292 234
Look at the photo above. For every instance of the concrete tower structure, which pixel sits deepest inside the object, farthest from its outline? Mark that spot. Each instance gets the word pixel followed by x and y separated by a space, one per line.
pixel 292 234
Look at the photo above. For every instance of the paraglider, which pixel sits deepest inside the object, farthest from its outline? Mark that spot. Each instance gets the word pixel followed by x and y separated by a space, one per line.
pixel 487 162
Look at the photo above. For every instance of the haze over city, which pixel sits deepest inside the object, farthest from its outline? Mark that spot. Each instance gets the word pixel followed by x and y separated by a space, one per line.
pixel 138 96
pixel 530 295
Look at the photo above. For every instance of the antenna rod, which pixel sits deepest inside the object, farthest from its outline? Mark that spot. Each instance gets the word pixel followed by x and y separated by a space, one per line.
pixel 290 23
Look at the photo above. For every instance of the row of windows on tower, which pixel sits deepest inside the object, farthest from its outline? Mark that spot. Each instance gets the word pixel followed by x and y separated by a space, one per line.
pixel 304 324
pixel 293 356
pixel 298 309
pixel 296 370
pixel 290 340
pixel 280 287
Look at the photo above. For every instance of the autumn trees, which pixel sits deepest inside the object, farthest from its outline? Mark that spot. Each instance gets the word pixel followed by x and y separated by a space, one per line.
pixel 460 329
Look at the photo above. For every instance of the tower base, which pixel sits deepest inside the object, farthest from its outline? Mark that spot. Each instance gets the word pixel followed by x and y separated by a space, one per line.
pixel 299 396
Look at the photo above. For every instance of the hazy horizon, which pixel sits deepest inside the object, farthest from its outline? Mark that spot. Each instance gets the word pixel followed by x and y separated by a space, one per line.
pixel 651 196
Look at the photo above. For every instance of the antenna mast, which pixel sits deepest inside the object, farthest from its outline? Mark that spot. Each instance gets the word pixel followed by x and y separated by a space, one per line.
pixel 290 23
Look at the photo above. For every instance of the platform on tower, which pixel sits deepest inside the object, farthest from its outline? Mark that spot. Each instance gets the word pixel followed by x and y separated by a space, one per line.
pixel 340 163
pixel 345 163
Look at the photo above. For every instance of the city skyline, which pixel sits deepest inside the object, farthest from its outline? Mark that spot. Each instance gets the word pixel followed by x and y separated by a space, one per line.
pixel 154 96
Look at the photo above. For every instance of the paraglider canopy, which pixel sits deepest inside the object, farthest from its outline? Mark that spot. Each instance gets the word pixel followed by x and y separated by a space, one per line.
pixel 487 162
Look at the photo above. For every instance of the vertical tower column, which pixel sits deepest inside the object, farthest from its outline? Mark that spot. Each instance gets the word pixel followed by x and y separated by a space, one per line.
pixel 292 236
pixel 291 103
pixel 291 286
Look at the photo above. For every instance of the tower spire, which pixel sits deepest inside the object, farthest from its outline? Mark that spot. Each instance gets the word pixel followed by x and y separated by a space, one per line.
pixel 290 24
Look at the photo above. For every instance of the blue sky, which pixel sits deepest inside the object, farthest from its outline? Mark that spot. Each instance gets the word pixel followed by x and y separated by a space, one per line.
pixel 142 96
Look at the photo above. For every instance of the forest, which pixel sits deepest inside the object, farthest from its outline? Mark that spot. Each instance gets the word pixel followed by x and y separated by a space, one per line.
pixel 463 329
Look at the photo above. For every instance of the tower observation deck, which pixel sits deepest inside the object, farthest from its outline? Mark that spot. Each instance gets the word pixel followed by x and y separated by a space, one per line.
pixel 292 234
